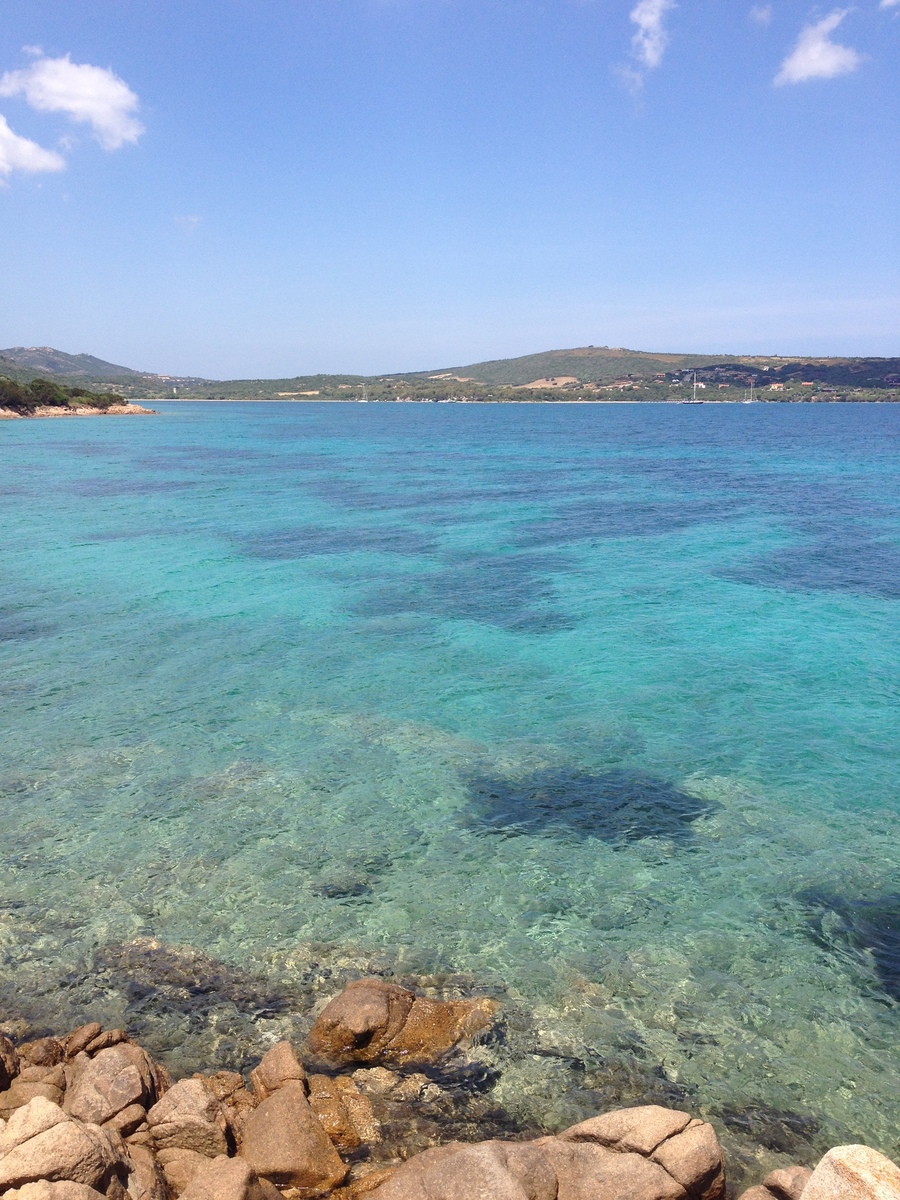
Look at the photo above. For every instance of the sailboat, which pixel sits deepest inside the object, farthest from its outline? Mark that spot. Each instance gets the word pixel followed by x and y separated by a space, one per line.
pixel 694 399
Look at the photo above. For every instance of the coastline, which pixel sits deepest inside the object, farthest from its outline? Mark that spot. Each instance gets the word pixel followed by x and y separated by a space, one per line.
pixel 48 410
pixel 378 1099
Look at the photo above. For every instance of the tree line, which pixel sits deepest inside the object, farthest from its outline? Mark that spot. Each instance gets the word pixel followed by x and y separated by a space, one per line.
pixel 26 397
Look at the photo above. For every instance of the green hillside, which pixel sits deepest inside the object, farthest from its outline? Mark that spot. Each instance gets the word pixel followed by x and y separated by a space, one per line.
pixel 44 360
pixel 587 373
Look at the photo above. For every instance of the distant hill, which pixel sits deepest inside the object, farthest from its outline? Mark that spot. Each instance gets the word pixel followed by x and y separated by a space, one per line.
pixel 602 364
pixel 47 361
pixel 584 372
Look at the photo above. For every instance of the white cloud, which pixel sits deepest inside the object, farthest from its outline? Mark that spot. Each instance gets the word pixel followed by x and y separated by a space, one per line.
pixel 89 94
pixel 189 224
pixel 890 3
pixel 20 154
pixel 650 41
pixel 817 57
pixel 761 14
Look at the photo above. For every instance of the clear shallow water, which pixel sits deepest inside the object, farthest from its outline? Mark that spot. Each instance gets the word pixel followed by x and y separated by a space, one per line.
pixel 598 704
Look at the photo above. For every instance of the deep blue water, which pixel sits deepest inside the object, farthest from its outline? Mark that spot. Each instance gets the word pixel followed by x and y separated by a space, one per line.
pixel 596 701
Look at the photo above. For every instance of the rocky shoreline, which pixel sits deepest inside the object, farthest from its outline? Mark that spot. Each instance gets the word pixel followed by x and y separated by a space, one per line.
pixel 53 410
pixel 356 1112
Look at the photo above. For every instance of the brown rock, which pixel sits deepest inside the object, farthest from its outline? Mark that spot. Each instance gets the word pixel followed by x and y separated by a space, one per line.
pixel 103 1086
pixel 56 1076
pixel 757 1193
pixel 179 1167
pixel 364 1185
pixel 284 1142
pixel 344 1113
pixel 376 1081
pixel 640 1129
pixel 376 1021
pixel 278 1066
pixel 9 1062
pixel 694 1159
pixel 64 1189
pixel 788 1182
pixel 112 1037
pixel 227 1179
pixel 189 1117
pixel 854 1173
pixel 146 1181
pixel 237 1100
pixel 44 1052
pixel 585 1170
pixel 434 1028
pixel 486 1171
pixel 128 1120
pixel 23 1091
pixel 81 1037
pixel 42 1142
pixel 155 1076
pixel 357 1025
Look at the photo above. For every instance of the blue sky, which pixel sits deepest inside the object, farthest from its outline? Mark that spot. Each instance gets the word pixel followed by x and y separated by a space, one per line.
pixel 269 188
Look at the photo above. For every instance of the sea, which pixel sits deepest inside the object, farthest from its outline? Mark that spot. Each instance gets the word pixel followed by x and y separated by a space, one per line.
pixel 592 708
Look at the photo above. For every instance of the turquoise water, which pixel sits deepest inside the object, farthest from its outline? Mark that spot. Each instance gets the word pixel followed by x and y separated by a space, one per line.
pixel 597 704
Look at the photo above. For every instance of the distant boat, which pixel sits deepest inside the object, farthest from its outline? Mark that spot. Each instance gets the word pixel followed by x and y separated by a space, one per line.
pixel 751 400
pixel 694 399
pixel 364 398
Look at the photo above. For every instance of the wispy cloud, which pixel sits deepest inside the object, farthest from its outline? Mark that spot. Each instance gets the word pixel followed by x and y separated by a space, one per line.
pixel 92 95
pixel 761 14
pixel 189 224
pixel 890 4
pixel 648 45
pixel 650 41
pixel 21 154
pixel 816 56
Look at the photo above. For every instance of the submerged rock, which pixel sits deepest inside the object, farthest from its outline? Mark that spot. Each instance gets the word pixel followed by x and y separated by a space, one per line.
pixel 373 1021
pixel 646 1153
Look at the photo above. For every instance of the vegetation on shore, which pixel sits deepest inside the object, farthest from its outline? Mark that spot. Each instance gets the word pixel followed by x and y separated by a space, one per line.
pixel 26 397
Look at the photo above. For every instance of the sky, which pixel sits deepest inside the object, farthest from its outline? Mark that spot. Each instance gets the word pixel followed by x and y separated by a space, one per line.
pixel 269 188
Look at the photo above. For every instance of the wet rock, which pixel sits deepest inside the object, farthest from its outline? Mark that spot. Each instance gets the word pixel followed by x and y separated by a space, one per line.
pixel 40 1141
pixel 285 1143
pixel 279 1066
pixel 189 1117
pixel 9 1062
pixel 344 1112
pixel 226 1179
pixel 376 1021
pixel 854 1173
pixel 43 1052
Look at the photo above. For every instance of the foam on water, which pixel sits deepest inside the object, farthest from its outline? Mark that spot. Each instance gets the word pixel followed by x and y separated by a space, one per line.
pixel 596 704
